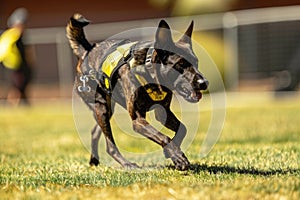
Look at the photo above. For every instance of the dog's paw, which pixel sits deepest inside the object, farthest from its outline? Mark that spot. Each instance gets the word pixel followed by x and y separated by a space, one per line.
pixel 94 161
pixel 181 162
pixel 177 156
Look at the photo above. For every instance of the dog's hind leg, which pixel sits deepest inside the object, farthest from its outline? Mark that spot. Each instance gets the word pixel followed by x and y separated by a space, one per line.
pixel 96 133
pixel 102 116
pixel 95 136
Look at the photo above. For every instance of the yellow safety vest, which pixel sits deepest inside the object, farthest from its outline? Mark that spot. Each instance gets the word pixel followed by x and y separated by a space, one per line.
pixel 9 52
pixel 111 62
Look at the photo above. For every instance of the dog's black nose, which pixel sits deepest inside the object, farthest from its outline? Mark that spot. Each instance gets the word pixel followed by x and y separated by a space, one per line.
pixel 203 84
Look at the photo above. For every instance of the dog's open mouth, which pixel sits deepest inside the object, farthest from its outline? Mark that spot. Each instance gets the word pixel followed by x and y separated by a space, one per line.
pixel 196 96
pixel 192 97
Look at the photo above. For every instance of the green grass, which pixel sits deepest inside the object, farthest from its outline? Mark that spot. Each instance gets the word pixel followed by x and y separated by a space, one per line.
pixel 257 157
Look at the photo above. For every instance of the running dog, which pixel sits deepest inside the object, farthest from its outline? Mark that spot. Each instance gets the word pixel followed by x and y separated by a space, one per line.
pixel 139 76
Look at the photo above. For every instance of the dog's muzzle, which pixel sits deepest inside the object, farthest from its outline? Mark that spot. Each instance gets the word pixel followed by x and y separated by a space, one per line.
pixel 191 92
pixel 188 93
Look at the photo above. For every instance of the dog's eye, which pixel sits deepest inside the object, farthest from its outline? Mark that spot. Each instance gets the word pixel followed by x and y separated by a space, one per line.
pixel 180 65
pixel 180 62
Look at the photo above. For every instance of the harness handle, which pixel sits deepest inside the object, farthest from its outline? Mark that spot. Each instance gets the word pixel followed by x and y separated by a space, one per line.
pixel 84 88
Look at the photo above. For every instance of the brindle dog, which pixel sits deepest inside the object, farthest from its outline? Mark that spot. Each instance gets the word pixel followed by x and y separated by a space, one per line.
pixel 172 63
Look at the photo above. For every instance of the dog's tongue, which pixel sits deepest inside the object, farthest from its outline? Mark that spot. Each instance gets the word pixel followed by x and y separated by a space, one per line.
pixel 196 95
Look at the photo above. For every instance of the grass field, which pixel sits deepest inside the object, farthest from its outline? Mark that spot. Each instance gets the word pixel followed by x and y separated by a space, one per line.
pixel 257 157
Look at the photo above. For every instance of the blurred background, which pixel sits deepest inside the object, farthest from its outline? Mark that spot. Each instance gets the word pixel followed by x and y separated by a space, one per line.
pixel 255 44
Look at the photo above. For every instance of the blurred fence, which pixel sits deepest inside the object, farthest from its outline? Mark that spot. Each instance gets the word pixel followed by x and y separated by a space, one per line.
pixel 267 40
pixel 256 42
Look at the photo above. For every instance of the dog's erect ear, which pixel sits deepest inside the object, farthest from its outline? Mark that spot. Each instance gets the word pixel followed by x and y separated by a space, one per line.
pixel 163 37
pixel 186 38
pixel 163 41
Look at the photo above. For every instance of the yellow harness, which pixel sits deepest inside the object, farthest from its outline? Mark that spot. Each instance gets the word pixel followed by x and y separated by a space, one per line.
pixel 112 62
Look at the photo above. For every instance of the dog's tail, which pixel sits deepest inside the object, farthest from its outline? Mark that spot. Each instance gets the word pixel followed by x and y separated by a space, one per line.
pixel 76 35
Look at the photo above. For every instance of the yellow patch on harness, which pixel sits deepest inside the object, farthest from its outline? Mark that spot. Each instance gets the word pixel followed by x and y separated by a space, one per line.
pixel 153 94
pixel 156 95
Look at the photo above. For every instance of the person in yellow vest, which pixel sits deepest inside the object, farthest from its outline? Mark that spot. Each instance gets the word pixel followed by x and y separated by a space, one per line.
pixel 13 56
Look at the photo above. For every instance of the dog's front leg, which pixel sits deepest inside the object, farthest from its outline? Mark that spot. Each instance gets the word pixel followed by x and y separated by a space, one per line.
pixel 165 116
pixel 140 125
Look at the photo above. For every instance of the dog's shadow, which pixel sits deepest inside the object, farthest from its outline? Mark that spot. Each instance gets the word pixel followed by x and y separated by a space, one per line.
pixel 197 168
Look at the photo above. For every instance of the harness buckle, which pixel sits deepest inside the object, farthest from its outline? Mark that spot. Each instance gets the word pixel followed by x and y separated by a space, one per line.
pixel 93 74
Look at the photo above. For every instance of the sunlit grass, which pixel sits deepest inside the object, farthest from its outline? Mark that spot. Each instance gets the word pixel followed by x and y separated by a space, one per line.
pixel 257 157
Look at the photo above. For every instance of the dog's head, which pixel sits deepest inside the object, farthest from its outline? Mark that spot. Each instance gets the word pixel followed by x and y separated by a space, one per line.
pixel 178 63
